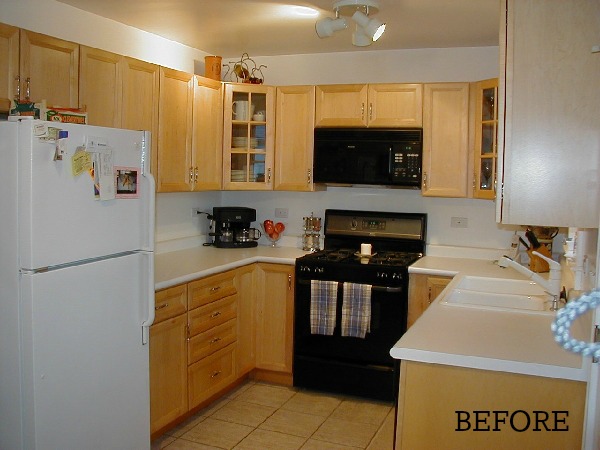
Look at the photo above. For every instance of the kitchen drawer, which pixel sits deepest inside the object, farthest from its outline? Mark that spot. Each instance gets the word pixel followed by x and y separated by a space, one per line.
pixel 170 302
pixel 208 316
pixel 210 289
pixel 211 340
pixel 211 374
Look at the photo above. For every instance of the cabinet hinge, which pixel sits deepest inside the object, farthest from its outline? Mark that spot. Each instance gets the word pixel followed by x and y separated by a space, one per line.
pixel 596 340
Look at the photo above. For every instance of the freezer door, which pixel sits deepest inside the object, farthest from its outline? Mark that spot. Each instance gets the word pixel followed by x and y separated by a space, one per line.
pixel 86 372
pixel 60 219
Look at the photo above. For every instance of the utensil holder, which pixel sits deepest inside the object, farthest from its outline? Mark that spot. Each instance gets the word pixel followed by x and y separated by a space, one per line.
pixel 537 264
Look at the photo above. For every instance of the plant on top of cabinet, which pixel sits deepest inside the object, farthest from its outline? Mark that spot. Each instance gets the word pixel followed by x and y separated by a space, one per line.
pixel 248 137
pixel 372 105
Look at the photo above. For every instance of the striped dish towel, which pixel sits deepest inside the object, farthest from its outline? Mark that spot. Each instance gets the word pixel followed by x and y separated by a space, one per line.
pixel 323 299
pixel 356 310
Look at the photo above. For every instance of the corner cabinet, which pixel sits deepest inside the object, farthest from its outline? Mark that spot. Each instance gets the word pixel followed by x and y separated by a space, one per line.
pixel 248 137
pixel 294 138
pixel 422 290
pixel 485 149
pixel 369 105
pixel 445 139
pixel 550 103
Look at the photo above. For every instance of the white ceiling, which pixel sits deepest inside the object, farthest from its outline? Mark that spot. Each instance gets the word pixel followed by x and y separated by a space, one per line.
pixel 265 28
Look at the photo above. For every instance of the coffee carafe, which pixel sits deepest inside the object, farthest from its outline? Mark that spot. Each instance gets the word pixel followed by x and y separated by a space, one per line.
pixel 232 227
pixel 311 237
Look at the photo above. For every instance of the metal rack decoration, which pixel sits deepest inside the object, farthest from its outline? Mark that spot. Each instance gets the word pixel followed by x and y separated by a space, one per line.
pixel 245 70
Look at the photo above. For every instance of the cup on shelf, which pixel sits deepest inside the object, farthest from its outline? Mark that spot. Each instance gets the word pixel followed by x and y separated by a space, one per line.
pixel 259 116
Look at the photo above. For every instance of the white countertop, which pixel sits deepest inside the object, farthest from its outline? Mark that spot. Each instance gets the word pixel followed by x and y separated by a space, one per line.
pixel 181 266
pixel 515 342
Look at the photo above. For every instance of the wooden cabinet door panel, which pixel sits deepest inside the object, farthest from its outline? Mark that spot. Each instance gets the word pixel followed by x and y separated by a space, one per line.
pixel 175 131
pixel 168 371
pixel 140 101
pixel 100 86
pixel 9 65
pixel 275 317
pixel 52 65
pixel 445 139
pixel 395 105
pixel 341 105
pixel 294 138
pixel 207 142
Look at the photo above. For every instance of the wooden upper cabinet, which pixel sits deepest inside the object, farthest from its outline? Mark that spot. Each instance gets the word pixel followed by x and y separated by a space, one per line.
pixel 140 100
pixel 207 138
pixel 395 105
pixel 52 67
pixel 9 65
pixel 373 105
pixel 175 170
pixel 549 108
pixel 341 105
pixel 445 139
pixel 294 138
pixel 100 86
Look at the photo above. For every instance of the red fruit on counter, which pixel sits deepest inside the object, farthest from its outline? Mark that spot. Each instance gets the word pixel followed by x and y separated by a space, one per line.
pixel 279 227
pixel 268 222
pixel 274 235
pixel 269 228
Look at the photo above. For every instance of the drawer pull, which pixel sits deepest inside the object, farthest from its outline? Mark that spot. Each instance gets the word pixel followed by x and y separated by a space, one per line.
pixel 215 340
pixel 215 314
pixel 216 373
pixel 215 289
pixel 164 305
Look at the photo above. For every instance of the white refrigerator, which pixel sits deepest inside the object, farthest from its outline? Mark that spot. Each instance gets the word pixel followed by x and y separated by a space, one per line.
pixel 76 286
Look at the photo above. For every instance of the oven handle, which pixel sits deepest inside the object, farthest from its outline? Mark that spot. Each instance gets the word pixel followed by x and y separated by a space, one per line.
pixel 375 288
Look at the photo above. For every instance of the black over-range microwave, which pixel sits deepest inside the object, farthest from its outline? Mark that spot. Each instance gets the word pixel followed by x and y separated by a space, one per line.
pixel 368 156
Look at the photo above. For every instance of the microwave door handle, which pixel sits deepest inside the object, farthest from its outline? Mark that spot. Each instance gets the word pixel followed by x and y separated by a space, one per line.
pixel 390 161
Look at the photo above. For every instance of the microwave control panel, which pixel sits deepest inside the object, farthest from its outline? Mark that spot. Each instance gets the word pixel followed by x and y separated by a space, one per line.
pixel 406 163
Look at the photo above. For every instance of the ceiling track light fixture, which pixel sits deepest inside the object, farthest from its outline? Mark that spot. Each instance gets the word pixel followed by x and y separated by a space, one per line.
pixel 368 29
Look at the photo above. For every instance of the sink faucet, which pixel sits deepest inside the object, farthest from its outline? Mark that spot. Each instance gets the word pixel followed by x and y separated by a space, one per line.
pixel 551 285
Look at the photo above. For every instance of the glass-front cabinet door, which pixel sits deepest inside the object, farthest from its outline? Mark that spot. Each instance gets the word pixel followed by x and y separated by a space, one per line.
pixel 486 137
pixel 248 141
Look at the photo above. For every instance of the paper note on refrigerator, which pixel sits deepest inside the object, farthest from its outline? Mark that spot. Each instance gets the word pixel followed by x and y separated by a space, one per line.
pixel 104 183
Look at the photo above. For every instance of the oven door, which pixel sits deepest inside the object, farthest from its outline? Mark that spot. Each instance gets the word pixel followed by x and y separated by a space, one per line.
pixel 388 324
pixel 350 365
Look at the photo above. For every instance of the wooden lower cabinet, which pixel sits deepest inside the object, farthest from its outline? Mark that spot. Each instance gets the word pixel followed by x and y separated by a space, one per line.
pixel 422 290
pixel 433 397
pixel 168 358
pixel 213 332
pixel 210 375
pixel 275 319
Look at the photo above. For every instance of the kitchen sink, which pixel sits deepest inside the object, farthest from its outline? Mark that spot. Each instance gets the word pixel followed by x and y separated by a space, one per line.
pixel 499 294
pixel 500 286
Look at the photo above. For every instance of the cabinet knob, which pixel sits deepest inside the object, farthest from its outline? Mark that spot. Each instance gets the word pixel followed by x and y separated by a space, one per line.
pixel 424 180
pixel 370 111
pixel 215 314
pixel 362 111
pixel 215 289
pixel 215 340
pixel 18 91
pixel 195 174
pixel 164 305
pixel 269 175
pixel 191 174
pixel 309 176
pixel 216 373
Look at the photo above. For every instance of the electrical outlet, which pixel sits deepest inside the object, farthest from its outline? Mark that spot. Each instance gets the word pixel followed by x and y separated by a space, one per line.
pixel 459 222
pixel 282 213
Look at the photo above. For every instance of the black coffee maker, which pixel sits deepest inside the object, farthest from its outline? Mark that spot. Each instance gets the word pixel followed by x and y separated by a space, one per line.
pixel 232 227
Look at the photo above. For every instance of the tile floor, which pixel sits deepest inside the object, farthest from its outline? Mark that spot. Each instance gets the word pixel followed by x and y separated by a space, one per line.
pixel 260 416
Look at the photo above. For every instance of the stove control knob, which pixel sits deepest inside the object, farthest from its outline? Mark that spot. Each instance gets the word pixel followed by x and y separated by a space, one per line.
pixel 382 275
pixel 304 269
pixel 320 269
pixel 396 276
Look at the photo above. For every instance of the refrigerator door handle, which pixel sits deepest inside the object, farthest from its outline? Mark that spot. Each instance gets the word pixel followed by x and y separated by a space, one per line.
pixel 149 245
pixel 150 298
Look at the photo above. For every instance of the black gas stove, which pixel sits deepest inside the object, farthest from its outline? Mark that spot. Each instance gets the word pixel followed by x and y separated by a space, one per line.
pixel 350 365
